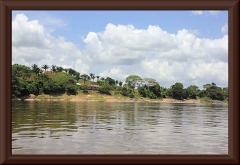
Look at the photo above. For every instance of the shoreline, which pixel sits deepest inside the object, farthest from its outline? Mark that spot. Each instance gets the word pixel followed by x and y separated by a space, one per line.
pixel 88 98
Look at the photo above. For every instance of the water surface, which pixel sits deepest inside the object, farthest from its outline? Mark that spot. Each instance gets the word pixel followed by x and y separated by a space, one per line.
pixel 54 127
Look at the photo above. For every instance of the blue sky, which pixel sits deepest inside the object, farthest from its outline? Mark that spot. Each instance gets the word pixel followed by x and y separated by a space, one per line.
pixel 170 46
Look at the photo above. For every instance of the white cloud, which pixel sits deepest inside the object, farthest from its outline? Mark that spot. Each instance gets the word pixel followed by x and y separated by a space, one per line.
pixel 194 31
pixel 31 44
pixel 200 12
pixel 122 50
pixel 224 29
pixel 213 12
pixel 29 33
pixel 51 24
pixel 81 67
pixel 115 73
pixel 197 12
pixel 158 54
pixel 117 41
pixel 188 73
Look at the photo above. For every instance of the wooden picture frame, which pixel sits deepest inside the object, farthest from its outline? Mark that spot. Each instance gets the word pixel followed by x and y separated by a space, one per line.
pixel 6 7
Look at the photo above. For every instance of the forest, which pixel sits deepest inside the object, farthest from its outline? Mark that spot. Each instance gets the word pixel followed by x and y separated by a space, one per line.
pixel 56 80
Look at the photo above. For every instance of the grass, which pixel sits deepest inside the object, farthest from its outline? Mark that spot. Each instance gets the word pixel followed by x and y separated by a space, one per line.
pixel 63 96
pixel 225 100
pixel 93 95
pixel 206 100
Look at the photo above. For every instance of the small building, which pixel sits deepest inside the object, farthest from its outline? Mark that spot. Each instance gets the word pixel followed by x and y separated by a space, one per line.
pixel 92 86
pixel 78 85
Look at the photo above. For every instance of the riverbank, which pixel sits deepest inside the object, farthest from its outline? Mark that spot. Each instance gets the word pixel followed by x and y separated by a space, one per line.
pixel 95 97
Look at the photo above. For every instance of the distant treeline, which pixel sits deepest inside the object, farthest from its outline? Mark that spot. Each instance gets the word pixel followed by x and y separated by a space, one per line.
pixel 55 80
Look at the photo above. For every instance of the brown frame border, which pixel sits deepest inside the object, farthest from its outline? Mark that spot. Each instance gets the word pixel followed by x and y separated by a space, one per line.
pixel 6 6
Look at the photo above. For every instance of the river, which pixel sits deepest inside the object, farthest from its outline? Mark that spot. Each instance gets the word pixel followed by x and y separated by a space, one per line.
pixel 61 127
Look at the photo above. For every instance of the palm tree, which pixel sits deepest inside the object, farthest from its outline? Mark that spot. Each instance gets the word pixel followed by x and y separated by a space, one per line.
pixel 98 77
pixel 59 69
pixel 45 67
pixel 102 78
pixel 85 77
pixel 65 70
pixel 71 71
pixel 116 82
pixel 120 83
pixel 213 84
pixel 74 73
pixel 53 69
pixel 92 75
pixel 36 69
pixel 34 66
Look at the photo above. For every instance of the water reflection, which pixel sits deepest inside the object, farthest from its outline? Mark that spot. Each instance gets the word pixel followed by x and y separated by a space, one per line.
pixel 118 128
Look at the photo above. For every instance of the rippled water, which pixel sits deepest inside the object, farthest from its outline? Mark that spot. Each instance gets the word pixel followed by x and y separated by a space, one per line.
pixel 118 128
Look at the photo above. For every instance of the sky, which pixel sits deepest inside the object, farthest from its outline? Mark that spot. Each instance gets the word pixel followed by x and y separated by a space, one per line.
pixel 190 47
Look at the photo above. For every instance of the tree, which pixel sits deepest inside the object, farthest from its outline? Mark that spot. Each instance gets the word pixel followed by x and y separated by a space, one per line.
pixel 105 89
pixel 16 87
pixel 120 83
pixel 206 86
pixel 92 76
pixel 110 81
pixel 192 91
pixel 71 71
pixel 20 74
pixel 213 84
pixel 35 87
pixel 54 68
pixel 177 90
pixel 133 81
pixel 156 90
pixel 149 82
pixel 225 92
pixel 65 70
pixel 36 69
pixel 45 67
pixel 102 78
pixel 59 69
pixel 116 82
pixel 212 91
pixel 151 92
pixel 63 82
pixel 97 77
pixel 85 77
pixel 164 92
pixel 127 92
pixel 215 93
pixel 34 66
pixel 77 76
pixel 21 71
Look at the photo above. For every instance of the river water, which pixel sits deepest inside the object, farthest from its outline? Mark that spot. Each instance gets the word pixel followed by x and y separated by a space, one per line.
pixel 58 127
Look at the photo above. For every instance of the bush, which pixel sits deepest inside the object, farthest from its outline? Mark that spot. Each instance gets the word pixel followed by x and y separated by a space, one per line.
pixel 152 95
pixel 71 90
pixel 83 88
pixel 105 89
pixel 32 88
pixel 124 91
pixel 131 95
pixel 206 100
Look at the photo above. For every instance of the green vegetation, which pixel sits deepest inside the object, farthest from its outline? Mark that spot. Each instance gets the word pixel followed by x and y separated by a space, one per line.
pixel 206 100
pixel 55 81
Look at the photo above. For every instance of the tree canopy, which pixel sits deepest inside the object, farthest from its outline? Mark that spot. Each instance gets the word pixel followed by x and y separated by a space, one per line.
pixel 133 81
pixel 59 80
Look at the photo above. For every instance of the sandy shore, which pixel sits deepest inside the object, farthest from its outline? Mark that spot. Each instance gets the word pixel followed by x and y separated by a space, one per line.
pixel 107 98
